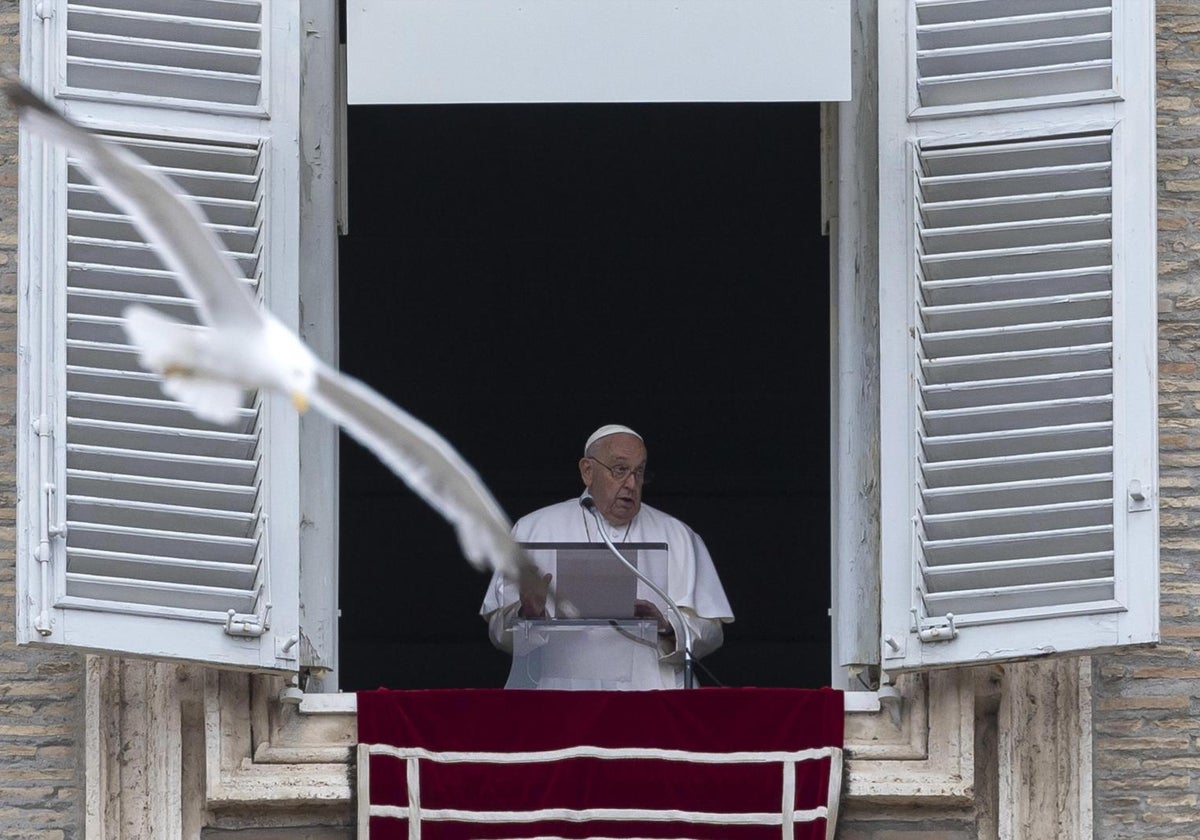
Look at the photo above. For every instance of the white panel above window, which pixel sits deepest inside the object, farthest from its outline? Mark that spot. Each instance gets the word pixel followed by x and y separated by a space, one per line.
pixel 1017 318
pixel 467 51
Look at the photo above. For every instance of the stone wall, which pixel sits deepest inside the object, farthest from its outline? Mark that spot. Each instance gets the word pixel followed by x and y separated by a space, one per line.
pixel 1146 758
pixel 41 703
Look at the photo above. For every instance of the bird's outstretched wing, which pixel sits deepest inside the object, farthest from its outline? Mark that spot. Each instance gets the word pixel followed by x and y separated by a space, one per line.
pixel 171 222
pixel 429 465
pixel 174 226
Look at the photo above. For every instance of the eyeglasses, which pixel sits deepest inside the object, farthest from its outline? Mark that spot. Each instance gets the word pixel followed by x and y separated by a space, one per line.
pixel 621 472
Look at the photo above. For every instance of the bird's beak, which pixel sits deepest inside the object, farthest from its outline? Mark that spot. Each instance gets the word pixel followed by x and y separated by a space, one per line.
pixel 300 401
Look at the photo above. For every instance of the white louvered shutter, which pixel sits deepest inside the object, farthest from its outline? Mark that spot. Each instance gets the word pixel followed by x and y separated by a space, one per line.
pixel 1017 314
pixel 144 530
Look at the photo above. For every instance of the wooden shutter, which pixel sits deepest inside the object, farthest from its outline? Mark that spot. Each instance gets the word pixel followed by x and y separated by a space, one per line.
pixel 1017 313
pixel 148 531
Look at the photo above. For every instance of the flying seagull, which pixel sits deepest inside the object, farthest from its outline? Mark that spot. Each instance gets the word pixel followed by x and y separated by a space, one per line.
pixel 245 347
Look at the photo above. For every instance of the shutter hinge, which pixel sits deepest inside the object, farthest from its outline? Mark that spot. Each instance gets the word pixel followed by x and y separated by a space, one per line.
pixel 249 625
pixel 936 629
pixel 44 10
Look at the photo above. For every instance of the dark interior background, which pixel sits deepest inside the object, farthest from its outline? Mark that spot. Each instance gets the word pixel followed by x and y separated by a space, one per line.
pixel 516 276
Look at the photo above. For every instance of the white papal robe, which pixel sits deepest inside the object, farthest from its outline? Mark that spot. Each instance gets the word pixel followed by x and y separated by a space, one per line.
pixel 691 580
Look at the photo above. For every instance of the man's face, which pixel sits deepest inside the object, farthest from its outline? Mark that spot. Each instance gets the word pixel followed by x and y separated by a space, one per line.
pixel 617 501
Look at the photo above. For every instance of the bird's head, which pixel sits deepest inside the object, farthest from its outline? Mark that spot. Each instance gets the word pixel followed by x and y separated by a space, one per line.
pixel 291 368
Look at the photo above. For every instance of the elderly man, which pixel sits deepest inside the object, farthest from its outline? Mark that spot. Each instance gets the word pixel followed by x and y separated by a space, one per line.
pixel 613 469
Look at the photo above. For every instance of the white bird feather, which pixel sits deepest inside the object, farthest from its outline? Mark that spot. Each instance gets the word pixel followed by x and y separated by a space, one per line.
pixel 245 347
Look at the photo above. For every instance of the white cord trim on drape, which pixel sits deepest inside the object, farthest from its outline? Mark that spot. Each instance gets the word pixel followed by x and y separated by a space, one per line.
pixel 740 757
pixel 786 818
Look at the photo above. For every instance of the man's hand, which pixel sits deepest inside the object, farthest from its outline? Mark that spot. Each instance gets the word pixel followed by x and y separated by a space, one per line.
pixel 644 609
pixel 533 603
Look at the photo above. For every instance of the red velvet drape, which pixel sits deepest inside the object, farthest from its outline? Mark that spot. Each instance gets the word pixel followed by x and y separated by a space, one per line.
pixel 704 721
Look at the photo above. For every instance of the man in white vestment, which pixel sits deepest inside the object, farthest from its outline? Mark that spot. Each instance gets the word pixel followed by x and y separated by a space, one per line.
pixel 613 470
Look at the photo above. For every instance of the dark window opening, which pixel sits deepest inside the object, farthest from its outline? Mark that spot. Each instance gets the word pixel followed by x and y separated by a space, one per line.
pixel 516 276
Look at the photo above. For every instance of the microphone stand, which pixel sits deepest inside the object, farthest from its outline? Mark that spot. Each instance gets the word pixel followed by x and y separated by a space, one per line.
pixel 689 679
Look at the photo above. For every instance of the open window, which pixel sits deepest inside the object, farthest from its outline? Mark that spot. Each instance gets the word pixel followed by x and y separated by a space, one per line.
pixel 1015 453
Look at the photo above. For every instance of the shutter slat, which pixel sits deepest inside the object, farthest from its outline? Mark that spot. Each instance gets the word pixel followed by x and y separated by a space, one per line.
pixel 153 592
pixel 958 499
pixel 159 412
pixel 1017 338
pixel 1004 208
pixel 147 19
pixel 1023 233
pixel 170 465
pixel 999 160
pixel 1011 27
pixel 94 562
pixel 184 83
pixel 1020 82
pixel 199 494
pixel 1015 442
pixel 136 384
pixel 164 439
pixel 1016 520
pixel 1017 415
pixel 152 541
pixel 136 280
pixel 106 275
pixel 978 393
pixel 244 11
pixel 115 511
pixel 984 57
pixel 218 208
pixel 951 11
pixel 966 576
pixel 1034 465
pixel 1015 260
pixel 990 313
pixel 137 254
pixel 1004 547
pixel 1036 362
pixel 103 303
pixel 1030 596
pixel 94 224
pixel 973 185
pixel 952 291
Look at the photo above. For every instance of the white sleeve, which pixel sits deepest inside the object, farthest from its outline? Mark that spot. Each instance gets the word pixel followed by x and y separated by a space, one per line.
pixel 500 622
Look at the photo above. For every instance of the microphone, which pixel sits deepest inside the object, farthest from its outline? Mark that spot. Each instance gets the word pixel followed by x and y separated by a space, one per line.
pixel 589 504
